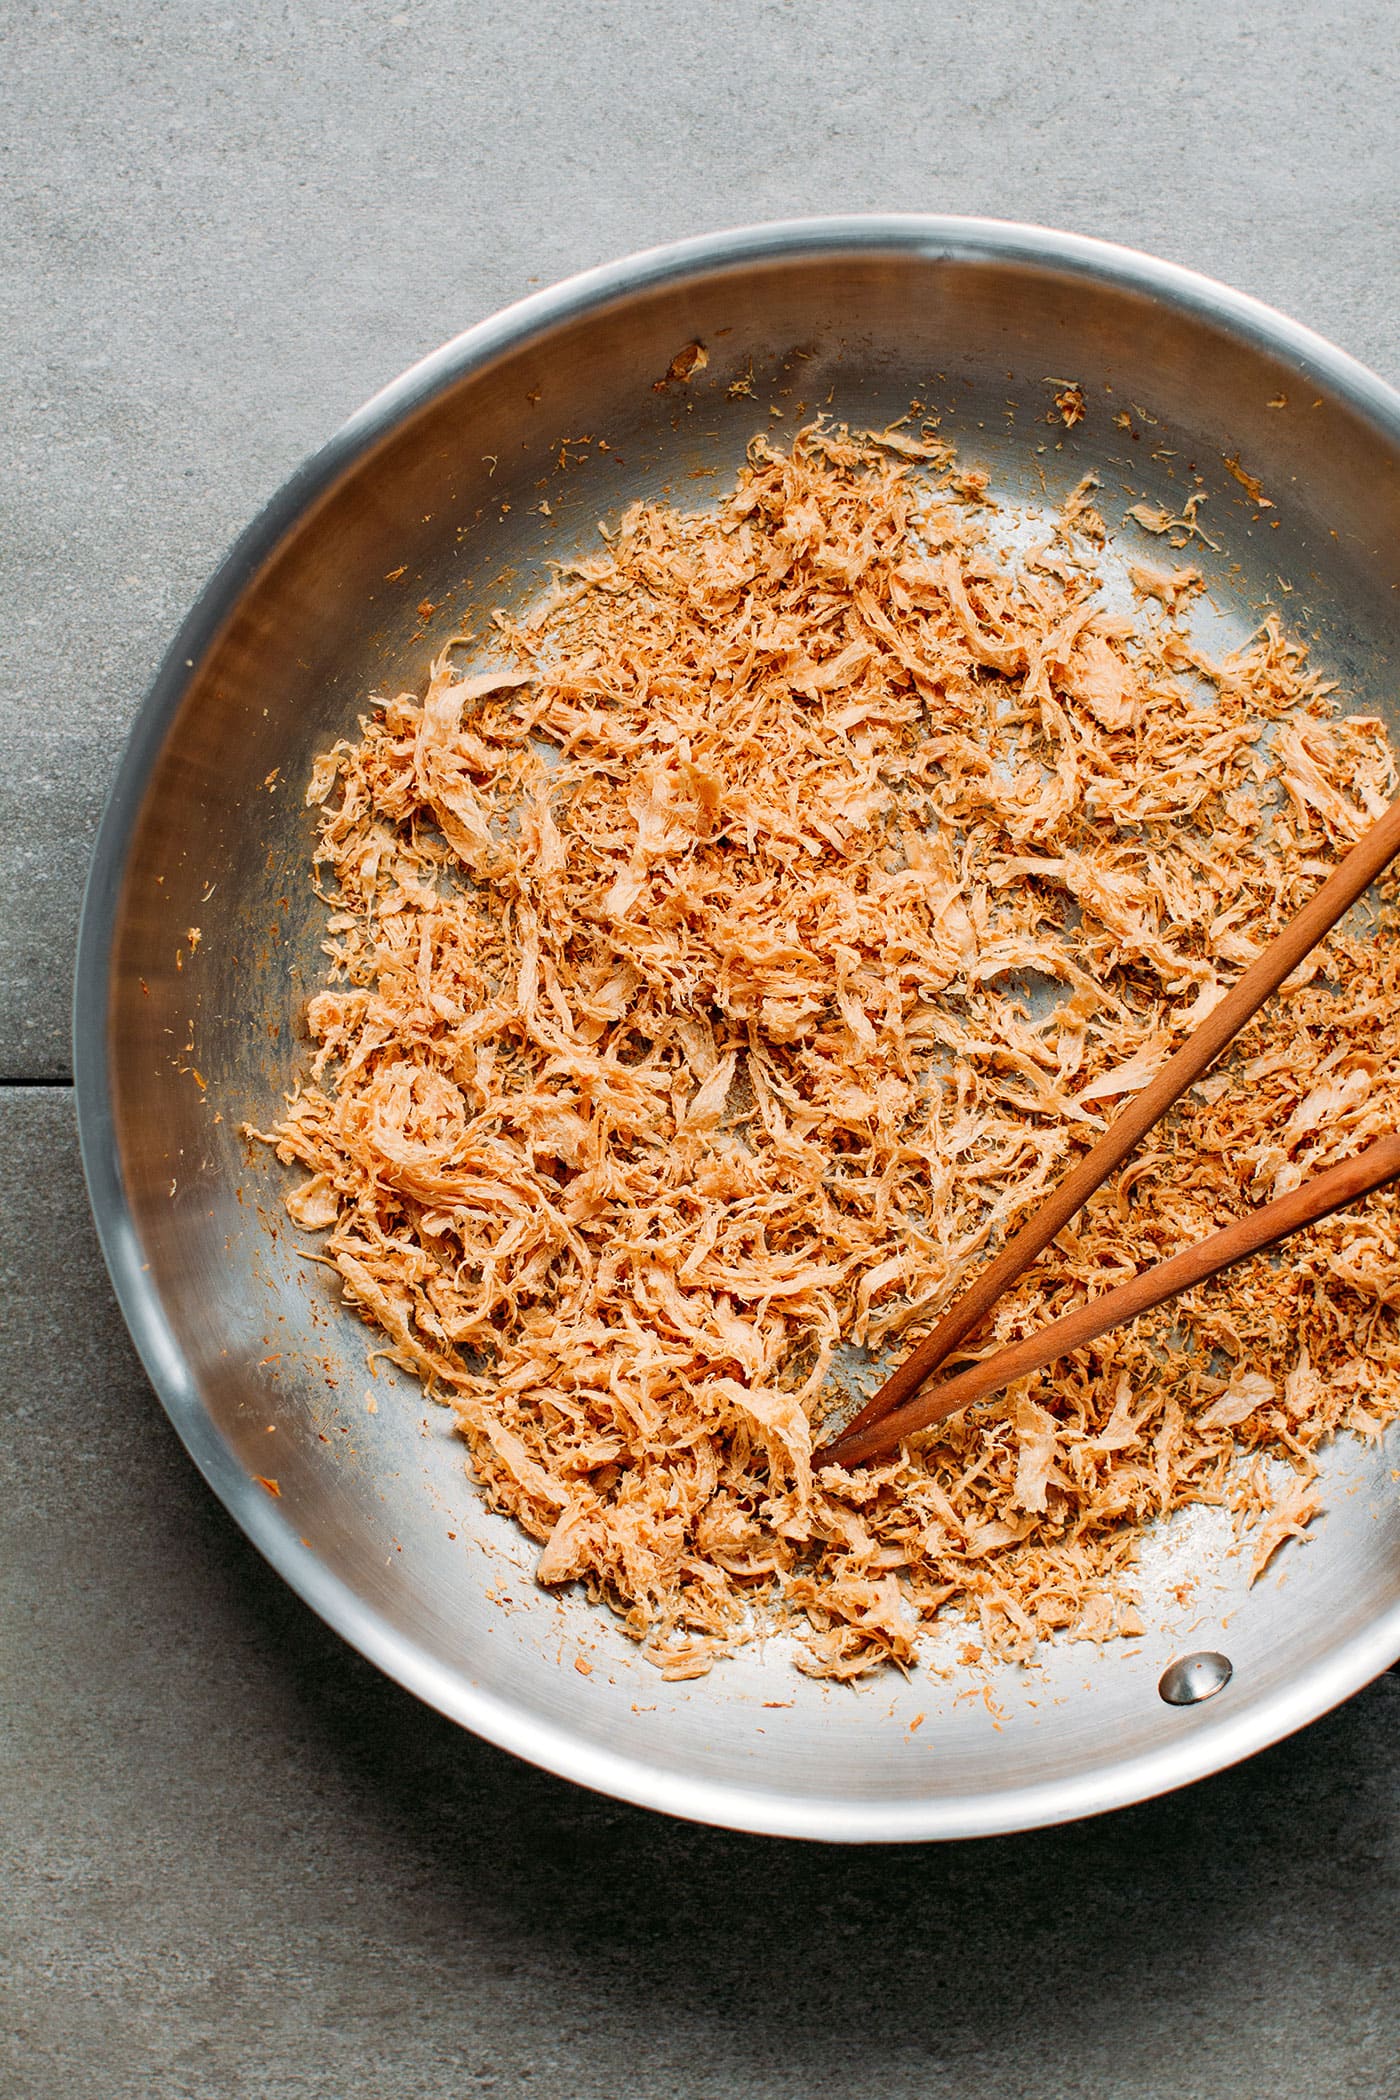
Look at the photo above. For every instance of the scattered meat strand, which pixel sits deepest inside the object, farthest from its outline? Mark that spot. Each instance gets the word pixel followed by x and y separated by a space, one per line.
pixel 716 977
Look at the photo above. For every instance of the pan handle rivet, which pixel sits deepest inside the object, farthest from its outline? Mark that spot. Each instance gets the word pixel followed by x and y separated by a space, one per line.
pixel 1192 1678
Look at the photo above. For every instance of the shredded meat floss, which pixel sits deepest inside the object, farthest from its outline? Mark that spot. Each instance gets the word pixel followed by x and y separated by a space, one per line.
pixel 715 979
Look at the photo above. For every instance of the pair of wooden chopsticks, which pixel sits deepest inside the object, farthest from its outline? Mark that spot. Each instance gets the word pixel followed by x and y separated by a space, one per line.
pixel 902 1406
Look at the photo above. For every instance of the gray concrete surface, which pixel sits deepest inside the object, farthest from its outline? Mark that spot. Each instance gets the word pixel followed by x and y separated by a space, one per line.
pixel 235 1860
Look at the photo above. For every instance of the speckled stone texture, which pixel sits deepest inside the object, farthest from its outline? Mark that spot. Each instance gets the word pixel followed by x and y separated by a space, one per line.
pixel 233 1859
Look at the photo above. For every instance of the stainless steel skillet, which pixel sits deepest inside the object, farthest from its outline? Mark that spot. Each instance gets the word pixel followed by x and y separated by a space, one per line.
pixel 425 510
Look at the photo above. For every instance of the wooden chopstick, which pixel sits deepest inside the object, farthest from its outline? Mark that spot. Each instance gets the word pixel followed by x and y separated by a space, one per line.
pixel 1316 1198
pixel 1360 867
